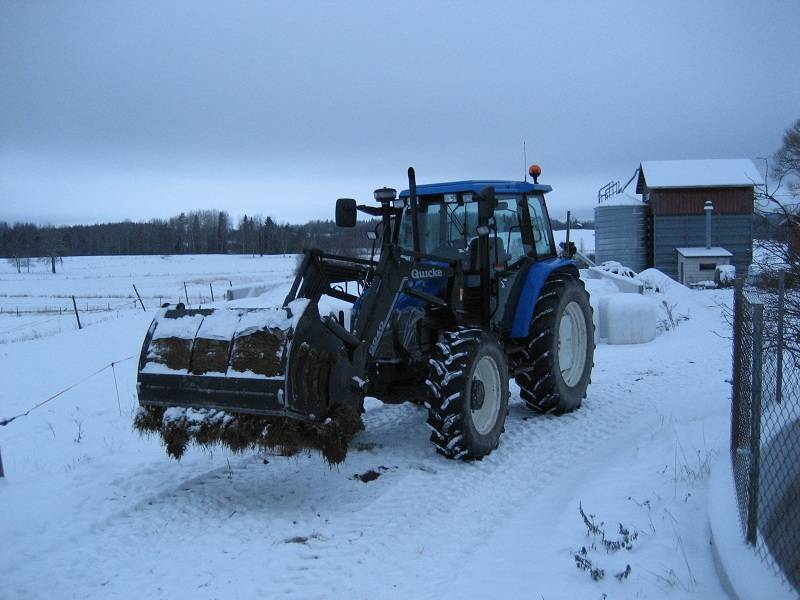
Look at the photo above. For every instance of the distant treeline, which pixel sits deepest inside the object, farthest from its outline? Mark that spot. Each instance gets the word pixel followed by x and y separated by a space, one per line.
pixel 559 225
pixel 196 232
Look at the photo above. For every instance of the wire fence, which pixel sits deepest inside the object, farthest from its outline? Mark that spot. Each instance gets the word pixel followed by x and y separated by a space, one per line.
pixel 765 426
pixel 35 318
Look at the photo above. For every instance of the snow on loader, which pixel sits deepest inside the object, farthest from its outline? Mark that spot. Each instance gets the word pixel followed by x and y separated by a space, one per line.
pixel 468 292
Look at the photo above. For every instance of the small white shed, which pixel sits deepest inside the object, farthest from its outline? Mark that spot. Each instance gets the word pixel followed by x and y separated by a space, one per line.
pixel 698 263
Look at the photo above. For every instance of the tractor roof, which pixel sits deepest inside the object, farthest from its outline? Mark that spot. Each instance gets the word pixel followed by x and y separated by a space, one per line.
pixel 476 186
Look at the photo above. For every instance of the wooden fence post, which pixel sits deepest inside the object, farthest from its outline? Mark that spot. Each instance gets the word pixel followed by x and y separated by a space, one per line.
pixel 77 317
pixel 2 472
pixel 211 287
pixel 186 293
pixel 139 297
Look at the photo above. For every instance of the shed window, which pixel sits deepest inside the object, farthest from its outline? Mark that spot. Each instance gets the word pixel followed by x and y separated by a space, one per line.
pixel 708 266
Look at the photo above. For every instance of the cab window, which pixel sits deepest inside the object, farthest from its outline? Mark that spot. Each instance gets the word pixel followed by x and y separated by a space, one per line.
pixel 540 224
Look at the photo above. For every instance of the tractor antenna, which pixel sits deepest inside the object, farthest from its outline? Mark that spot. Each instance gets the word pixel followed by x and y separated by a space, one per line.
pixel 525 161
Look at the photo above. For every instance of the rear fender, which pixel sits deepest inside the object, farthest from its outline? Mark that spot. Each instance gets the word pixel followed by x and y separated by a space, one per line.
pixel 535 279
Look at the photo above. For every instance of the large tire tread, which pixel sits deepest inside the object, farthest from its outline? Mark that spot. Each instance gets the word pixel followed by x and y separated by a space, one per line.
pixel 538 387
pixel 449 367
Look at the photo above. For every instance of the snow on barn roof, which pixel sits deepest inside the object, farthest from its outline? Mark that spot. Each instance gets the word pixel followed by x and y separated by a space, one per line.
pixel 703 252
pixel 717 172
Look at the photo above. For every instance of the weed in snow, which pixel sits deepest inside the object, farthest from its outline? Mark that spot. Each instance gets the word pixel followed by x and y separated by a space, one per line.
pixel 671 318
pixel 79 436
pixel 585 564
pixel 596 530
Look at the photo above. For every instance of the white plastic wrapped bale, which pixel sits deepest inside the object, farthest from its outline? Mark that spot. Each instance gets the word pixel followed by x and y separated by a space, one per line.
pixel 599 292
pixel 629 319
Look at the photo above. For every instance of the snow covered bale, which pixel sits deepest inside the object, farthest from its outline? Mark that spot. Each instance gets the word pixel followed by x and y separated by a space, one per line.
pixel 172 352
pixel 612 266
pixel 259 352
pixel 172 340
pixel 210 356
pixel 630 319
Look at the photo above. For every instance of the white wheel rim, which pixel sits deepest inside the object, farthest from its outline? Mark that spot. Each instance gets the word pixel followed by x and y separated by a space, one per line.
pixel 572 344
pixel 485 417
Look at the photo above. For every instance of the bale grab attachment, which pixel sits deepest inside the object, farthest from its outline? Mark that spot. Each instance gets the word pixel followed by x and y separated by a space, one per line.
pixel 257 377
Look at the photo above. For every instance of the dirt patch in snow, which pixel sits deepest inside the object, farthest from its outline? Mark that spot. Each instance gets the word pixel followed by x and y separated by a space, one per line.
pixel 372 474
pixel 368 476
pixel 302 539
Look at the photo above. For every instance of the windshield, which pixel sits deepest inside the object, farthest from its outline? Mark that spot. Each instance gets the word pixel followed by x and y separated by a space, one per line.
pixel 448 227
pixel 445 227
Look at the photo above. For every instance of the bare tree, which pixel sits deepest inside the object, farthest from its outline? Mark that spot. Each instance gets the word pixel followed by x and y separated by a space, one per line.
pixel 781 252
pixel 787 159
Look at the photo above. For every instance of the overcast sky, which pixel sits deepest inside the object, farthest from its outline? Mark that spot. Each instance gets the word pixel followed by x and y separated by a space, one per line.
pixel 115 110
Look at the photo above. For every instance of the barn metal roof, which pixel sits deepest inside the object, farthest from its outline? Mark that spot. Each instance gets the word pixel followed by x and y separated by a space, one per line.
pixel 717 172
pixel 476 186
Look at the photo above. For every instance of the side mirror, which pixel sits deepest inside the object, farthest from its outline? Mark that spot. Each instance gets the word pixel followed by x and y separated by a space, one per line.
pixel 486 204
pixel 345 212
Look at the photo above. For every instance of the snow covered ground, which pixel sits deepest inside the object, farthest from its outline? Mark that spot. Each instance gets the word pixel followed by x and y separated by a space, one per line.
pixel 582 238
pixel 92 510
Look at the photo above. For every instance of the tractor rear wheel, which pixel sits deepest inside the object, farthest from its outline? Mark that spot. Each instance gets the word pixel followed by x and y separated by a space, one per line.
pixel 560 350
pixel 468 394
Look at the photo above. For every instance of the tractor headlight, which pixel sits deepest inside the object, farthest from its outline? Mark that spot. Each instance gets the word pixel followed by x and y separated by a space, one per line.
pixel 385 194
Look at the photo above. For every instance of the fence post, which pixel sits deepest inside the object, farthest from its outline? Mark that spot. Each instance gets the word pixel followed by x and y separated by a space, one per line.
pixel 186 293
pixel 755 424
pixel 211 287
pixel 736 407
pixel 77 317
pixel 2 472
pixel 139 297
pixel 779 374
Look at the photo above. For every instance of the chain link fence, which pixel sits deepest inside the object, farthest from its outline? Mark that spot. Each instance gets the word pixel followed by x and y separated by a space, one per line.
pixel 765 427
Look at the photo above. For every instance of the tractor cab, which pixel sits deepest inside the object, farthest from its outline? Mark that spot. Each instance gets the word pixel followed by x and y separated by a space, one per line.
pixel 448 218
pixel 488 233
pixel 460 221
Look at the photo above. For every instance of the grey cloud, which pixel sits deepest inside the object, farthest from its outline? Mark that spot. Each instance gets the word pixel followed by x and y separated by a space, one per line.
pixel 118 109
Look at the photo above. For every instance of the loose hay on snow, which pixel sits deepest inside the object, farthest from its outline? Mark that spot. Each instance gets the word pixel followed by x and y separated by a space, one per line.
pixel 207 427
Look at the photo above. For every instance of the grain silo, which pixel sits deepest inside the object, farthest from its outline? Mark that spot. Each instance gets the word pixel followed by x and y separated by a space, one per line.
pixel 620 222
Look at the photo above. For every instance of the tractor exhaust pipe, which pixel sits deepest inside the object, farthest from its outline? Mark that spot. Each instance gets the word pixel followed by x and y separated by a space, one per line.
pixel 412 190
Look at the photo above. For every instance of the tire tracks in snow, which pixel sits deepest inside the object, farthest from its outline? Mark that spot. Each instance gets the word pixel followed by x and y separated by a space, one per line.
pixel 407 530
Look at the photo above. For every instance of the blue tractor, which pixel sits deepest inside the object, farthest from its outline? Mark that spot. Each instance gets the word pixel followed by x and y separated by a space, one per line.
pixel 465 289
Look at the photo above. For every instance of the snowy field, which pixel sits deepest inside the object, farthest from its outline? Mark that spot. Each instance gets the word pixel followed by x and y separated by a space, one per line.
pixel 39 303
pixel 92 510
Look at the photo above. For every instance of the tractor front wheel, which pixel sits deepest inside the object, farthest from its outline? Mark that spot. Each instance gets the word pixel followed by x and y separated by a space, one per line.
pixel 468 394
pixel 560 349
